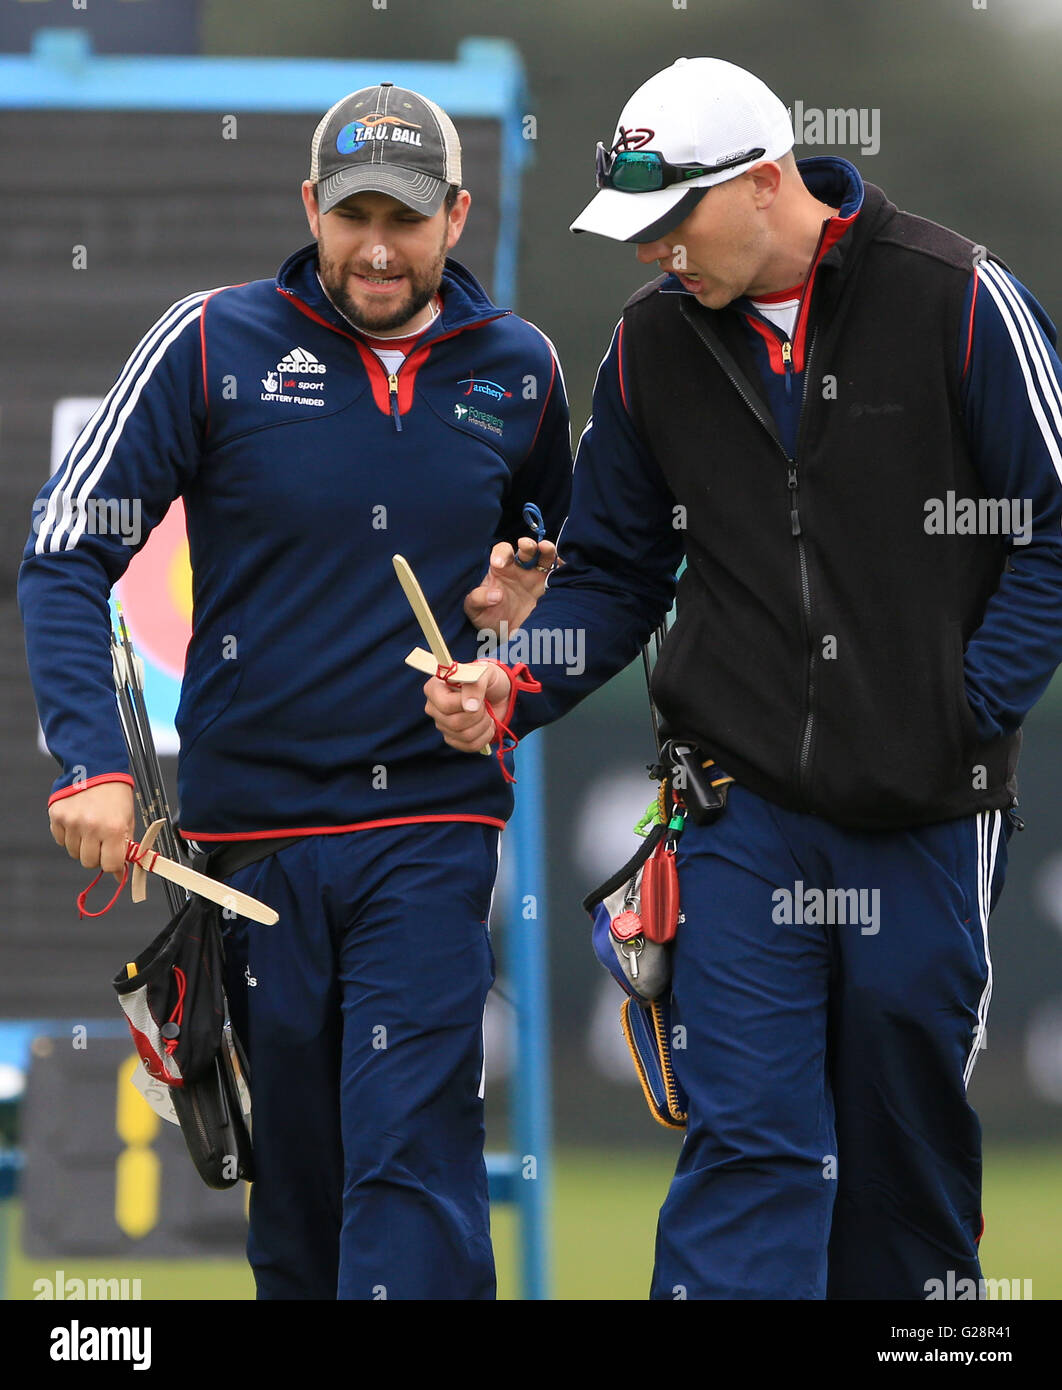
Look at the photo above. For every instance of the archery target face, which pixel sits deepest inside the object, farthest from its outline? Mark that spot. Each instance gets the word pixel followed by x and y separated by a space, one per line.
pixel 155 592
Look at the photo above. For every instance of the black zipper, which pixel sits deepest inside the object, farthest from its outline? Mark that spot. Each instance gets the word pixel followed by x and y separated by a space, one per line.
pixel 793 483
pixel 805 586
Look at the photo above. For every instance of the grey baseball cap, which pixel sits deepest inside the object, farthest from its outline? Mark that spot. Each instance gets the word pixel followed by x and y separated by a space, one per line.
pixel 385 139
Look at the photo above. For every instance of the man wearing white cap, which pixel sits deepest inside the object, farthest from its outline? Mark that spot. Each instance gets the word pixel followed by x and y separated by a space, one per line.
pixel 848 422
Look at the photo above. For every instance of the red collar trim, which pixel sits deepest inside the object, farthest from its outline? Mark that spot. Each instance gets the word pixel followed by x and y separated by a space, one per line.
pixel 778 296
pixel 833 229
pixel 377 376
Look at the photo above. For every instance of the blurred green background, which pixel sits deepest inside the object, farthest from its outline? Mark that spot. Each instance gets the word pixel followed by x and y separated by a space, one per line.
pixel 603 1227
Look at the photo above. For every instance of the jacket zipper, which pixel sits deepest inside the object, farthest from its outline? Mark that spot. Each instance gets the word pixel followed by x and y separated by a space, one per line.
pixel 392 388
pixel 787 362
pixel 793 483
pixel 805 586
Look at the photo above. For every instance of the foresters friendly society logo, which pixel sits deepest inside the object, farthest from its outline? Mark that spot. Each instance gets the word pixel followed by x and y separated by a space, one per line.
pixel 469 415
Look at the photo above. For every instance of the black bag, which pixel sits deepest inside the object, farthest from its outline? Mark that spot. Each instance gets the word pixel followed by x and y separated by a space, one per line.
pixel 213 1114
pixel 173 997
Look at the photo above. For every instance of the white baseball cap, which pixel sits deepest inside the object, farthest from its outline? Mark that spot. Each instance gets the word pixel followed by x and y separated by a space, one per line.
pixel 700 112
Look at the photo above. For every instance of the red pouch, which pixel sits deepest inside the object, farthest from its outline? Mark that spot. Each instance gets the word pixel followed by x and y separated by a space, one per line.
pixel 659 909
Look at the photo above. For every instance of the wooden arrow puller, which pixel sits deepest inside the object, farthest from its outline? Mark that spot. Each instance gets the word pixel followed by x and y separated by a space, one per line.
pixel 464 672
pixel 461 672
pixel 145 861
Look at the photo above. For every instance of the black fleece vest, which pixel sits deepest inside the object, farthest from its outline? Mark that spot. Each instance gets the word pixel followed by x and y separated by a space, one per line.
pixel 818 647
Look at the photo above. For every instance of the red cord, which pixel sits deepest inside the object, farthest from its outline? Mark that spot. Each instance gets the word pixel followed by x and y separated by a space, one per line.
pixel 502 732
pixel 178 1009
pixel 133 855
pixel 82 910
pixel 521 679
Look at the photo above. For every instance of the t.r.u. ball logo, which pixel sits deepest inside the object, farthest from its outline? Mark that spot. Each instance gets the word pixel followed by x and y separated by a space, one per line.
pixel 358 134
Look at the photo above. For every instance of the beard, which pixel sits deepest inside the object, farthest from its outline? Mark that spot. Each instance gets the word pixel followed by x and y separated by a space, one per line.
pixel 364 312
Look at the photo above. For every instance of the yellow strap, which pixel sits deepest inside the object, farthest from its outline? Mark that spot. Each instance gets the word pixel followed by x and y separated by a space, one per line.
pixel 672 1123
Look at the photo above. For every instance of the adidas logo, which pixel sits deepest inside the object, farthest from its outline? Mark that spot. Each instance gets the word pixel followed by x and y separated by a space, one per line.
pixel 301 361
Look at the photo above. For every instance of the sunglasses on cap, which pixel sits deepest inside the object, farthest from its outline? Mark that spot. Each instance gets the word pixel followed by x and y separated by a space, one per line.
pixel 645 171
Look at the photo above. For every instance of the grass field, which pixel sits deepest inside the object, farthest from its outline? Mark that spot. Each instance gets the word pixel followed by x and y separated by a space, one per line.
pixel 604 1217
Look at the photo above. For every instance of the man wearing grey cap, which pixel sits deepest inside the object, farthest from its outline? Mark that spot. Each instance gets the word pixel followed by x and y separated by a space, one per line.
pixel 848 422
pixel 369 400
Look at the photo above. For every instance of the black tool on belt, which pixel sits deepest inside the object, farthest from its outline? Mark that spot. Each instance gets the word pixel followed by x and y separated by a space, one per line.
pixel 699 784
pixel 690 773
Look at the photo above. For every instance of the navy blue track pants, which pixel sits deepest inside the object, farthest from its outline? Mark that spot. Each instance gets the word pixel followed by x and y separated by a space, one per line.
pixel 828 1040
pixel 362 1014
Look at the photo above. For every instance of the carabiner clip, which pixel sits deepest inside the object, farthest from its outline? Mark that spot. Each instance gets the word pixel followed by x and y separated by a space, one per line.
pixel 675 827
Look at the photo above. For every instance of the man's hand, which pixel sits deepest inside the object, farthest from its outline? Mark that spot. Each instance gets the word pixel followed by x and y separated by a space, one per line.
pixel 508 593
pixel 93 825
pixel 460 715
